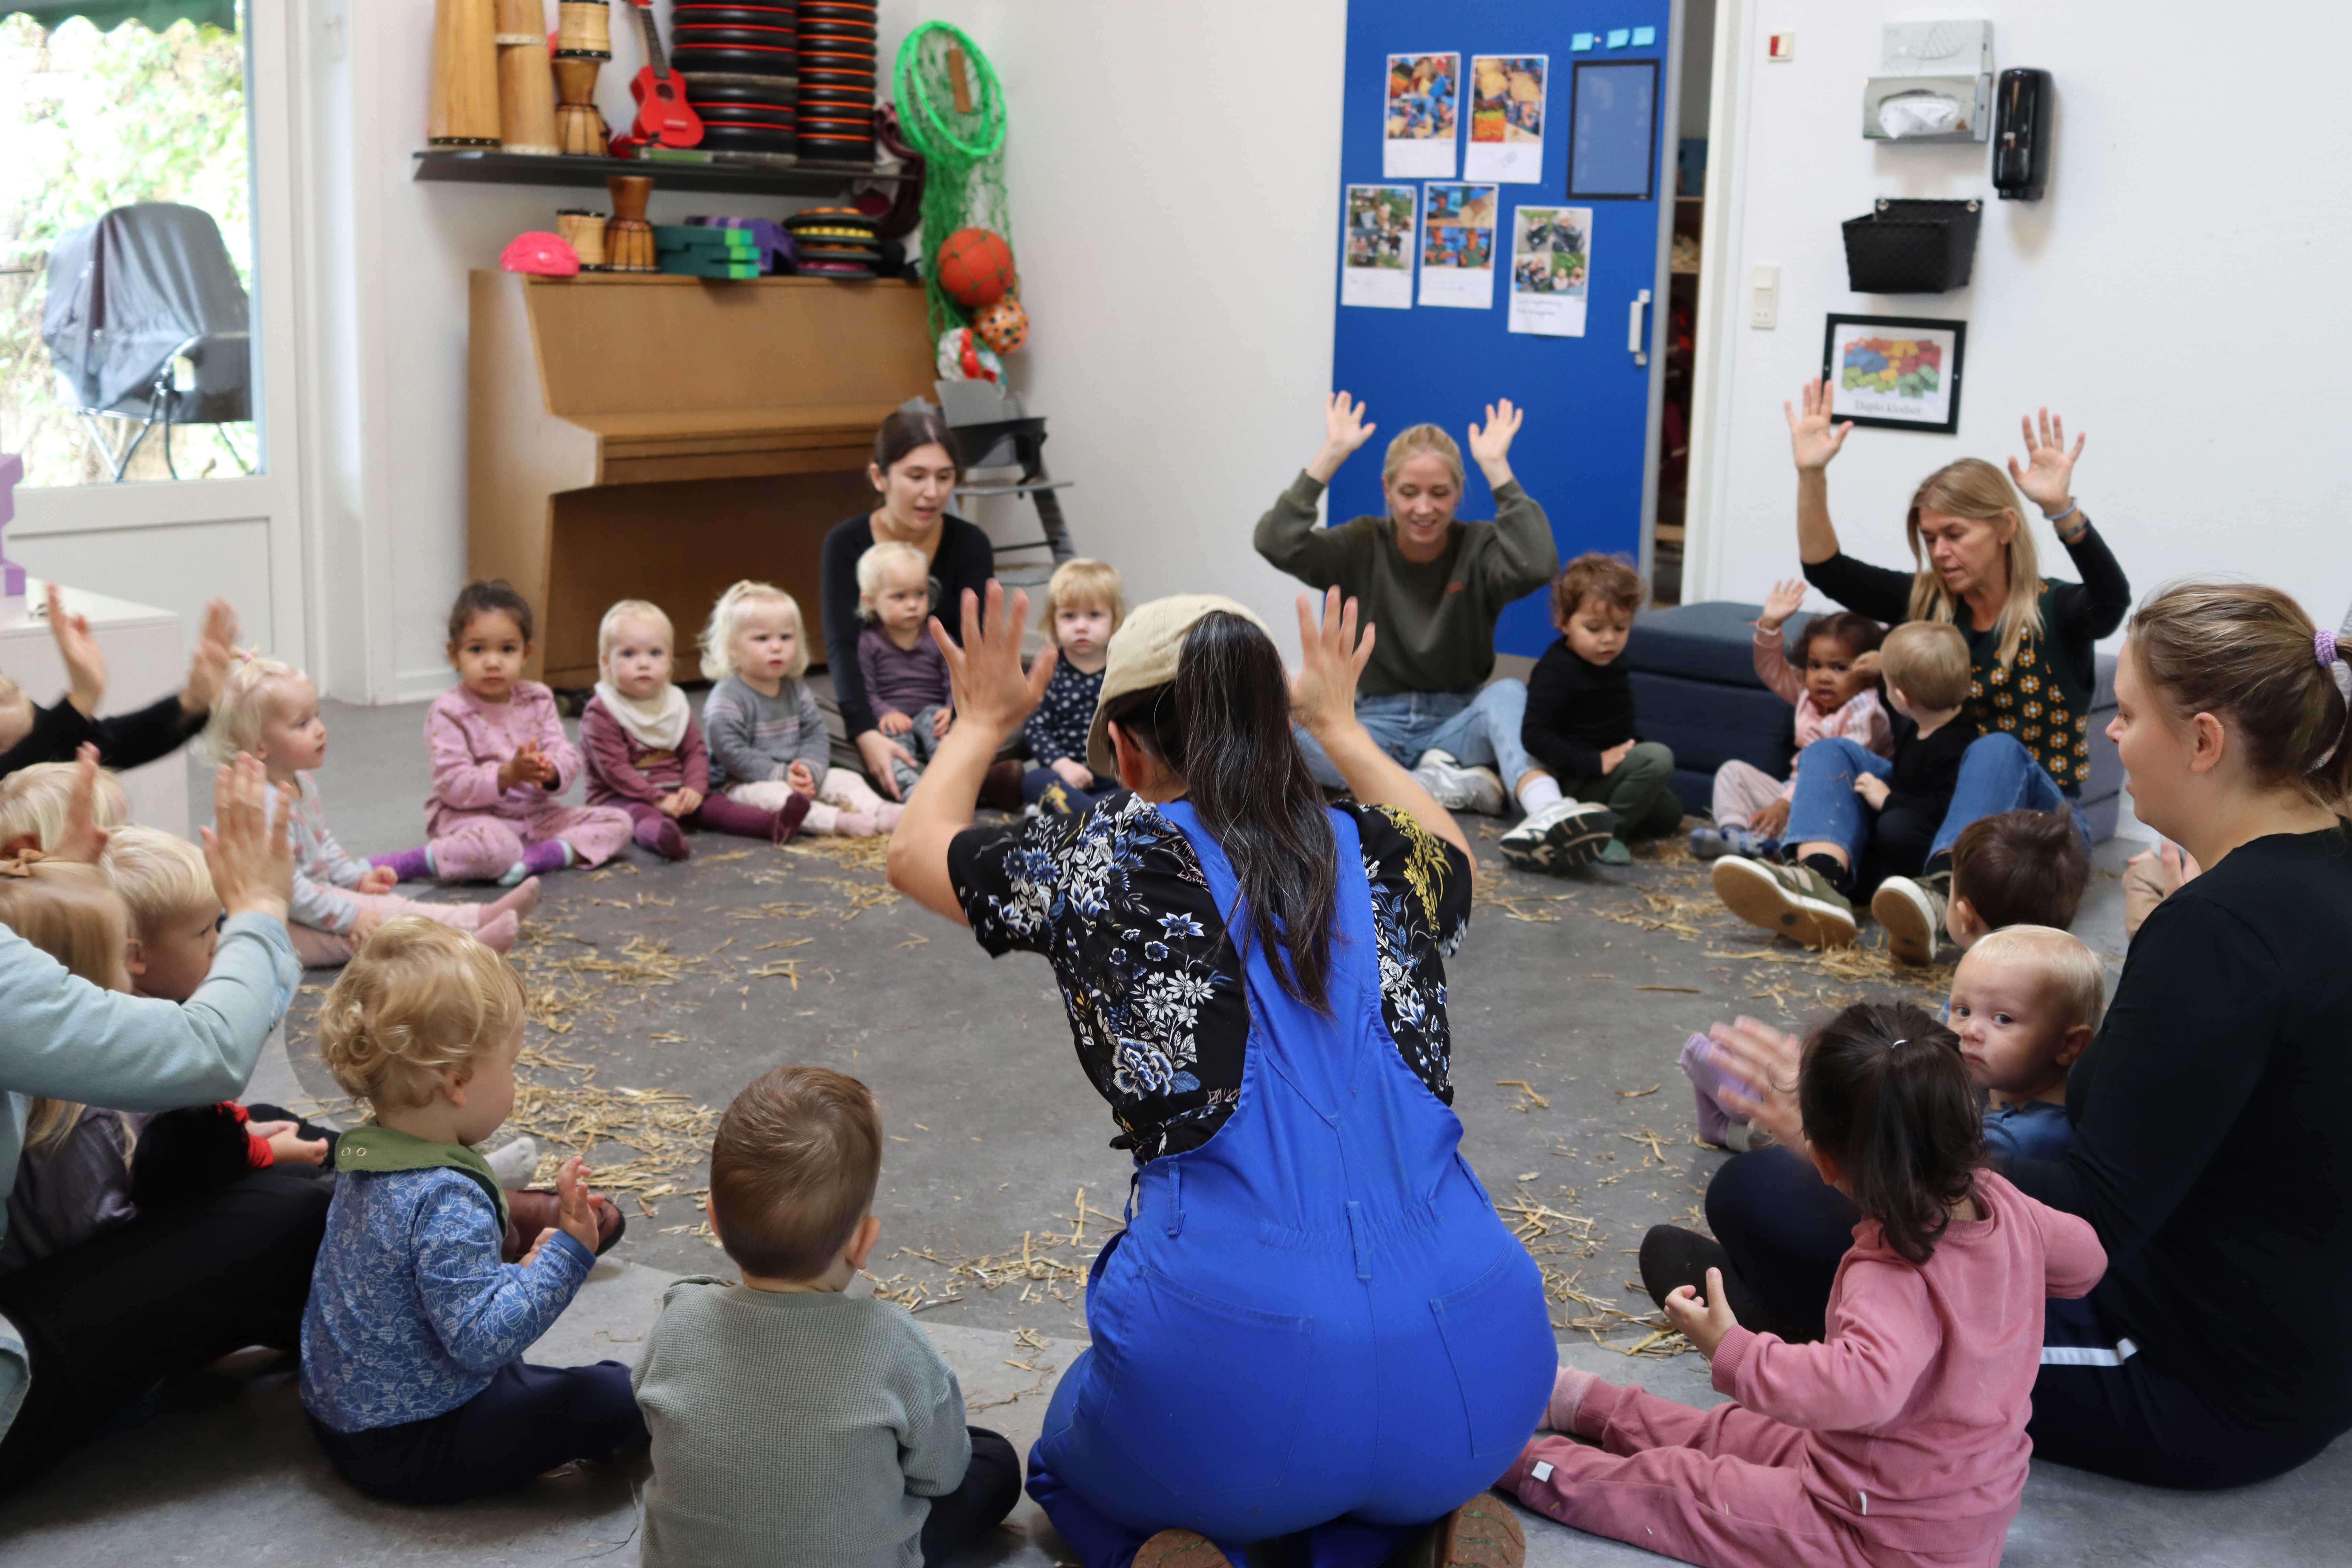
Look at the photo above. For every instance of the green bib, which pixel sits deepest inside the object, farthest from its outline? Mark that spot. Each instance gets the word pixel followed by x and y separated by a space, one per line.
pixel 370 1147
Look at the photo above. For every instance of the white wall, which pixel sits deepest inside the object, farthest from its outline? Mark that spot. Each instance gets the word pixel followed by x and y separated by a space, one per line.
pixel 2177 295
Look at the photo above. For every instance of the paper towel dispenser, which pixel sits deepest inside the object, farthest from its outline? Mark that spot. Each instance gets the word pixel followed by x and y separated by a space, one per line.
pixel 1926 108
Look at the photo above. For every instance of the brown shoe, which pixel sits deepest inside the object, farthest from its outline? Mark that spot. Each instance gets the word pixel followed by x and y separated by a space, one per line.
pixel 531 1210
pixel 1482 1533
pixel 1181 1549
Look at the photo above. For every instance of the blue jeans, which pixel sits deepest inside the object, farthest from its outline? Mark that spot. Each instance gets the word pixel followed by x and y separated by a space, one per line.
pixel 1480 727
pixel 1997 775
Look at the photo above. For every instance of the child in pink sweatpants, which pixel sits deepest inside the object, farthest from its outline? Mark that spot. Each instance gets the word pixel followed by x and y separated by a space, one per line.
pixel 1900 1439
pixel 501 758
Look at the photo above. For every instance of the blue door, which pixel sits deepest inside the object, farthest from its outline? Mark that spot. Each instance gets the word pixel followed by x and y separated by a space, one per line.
pixel 1585 452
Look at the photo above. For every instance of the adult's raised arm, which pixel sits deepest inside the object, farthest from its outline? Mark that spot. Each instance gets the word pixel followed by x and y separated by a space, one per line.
pixel 1527 556
pixel 1286 535
pixel 991 698
pixel 1323 700
pixel 1814 438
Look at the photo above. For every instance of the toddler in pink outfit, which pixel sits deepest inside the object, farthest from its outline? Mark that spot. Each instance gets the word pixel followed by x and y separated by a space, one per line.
pixel 1833 685
pixel 501 758
pixel 1898 1440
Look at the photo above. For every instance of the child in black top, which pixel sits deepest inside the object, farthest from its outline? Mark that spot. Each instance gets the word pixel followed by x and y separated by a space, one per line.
pixel 30 733
pixel 1856 813
pixel 1084 606
pixel 1580 720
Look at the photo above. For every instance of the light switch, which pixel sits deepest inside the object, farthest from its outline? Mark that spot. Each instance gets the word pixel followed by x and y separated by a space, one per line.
pixel 1764 296
pixel 1783 48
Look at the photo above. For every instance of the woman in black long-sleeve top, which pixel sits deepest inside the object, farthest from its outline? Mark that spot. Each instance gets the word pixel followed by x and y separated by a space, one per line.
pixel 915 469
pixel 2207 1115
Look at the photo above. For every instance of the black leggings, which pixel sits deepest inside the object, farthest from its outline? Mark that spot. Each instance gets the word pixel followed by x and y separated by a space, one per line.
pixel 166 1293
pixel 969 1515
pixel 529 1420
pixel 1786 1229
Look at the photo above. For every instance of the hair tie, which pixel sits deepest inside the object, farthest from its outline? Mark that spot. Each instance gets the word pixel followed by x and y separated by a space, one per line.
pixel 2323 644
pixel 21 863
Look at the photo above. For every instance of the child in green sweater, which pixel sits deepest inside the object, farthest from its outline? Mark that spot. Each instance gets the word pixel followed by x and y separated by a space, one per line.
pixel 782 1409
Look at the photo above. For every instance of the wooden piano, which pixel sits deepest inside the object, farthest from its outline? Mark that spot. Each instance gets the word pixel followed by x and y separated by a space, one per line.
pixel 643 436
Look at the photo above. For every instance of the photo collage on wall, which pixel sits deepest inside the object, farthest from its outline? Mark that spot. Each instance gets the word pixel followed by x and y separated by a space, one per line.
pixel 1450 230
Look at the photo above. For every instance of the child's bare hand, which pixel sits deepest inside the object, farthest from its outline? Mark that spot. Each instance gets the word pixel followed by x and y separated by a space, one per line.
pixel 85 665
pixel 670 805
pixel 894 724
pixel 289 1147
pixel 1866 664
pixel 1702 1321
pixel 1872 789
pixel 1615 755
pixel 209 668
pixel 801 779
pixel 1786 597
pixel 527 1258
pixel 576 1217
pixel 363 924
pixel 689 801
pixel 1770 822
pixel 940 720
pixel 1075 773
pixel 376 879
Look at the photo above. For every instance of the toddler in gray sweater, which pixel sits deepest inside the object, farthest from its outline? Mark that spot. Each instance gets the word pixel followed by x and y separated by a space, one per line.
pixel 790 1422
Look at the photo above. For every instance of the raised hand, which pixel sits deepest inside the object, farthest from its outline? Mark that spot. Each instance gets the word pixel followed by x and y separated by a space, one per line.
pixel 575 1216
pixel 1323 692
pixel 2049 470
pixel 85 663
pixel 984 674
pixel 1757 1055
pixel 1786 597
pixel 1490 444
pixel 1815 436
pixel 83 839
pixel 209 668
pixel 247 847
pixel 1344 430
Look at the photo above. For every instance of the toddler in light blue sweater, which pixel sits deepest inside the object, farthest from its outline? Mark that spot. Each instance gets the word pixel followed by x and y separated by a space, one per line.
pixel 411 1341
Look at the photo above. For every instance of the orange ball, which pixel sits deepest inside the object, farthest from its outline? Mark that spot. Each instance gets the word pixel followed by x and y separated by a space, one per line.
pixel 975 267
pixel 1004 326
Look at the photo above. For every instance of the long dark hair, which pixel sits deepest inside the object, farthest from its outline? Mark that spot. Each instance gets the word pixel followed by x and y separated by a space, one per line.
pixel 908 429
pixel 1224 725
pixel 1885 1093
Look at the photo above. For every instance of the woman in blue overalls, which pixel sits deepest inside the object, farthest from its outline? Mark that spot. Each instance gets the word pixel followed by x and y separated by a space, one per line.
pixel 1315 1326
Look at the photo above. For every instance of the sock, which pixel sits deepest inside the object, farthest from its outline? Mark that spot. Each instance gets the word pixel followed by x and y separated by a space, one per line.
pixel 408 865
pixel 1541 790
pixel 1835 875
pixel 1569 1387
pixel 663 836
pixel 550 855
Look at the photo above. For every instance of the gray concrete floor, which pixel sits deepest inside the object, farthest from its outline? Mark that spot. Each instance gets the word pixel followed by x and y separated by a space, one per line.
pixel 1570 1000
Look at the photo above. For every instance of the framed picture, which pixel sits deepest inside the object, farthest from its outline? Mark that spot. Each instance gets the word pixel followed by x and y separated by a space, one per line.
pixel 1896 372
pixel 1612 131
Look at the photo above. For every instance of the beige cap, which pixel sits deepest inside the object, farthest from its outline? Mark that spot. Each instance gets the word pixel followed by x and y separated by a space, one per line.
pixel 1143 654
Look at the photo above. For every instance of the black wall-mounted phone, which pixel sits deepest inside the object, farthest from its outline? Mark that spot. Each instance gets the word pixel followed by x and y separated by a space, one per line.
pixel 2021 139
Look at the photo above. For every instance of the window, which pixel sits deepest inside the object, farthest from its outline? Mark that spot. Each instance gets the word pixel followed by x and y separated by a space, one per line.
pixel 126 242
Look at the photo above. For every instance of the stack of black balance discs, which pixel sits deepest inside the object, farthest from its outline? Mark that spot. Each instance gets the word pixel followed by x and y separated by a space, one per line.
pixel 741 65
pixel 837 64
pixel 833 242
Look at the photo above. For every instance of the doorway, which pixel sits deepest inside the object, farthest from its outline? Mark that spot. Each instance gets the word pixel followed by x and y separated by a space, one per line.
pixel 1679 321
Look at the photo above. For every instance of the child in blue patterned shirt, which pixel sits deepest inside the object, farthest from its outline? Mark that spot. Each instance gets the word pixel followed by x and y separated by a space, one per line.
pixel 412 1339
pixel 1084 606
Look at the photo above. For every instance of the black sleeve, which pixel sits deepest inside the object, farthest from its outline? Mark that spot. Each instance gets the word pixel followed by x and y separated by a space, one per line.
pixel 2163 1094
pixel 57 733
pixel 838 596
pixel 1879 591
pixel 1552 690
pixel 162 727
pixel 966 560
pixel 2086 611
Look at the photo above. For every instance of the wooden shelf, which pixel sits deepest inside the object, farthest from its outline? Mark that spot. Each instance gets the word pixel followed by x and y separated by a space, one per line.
pixel 489 166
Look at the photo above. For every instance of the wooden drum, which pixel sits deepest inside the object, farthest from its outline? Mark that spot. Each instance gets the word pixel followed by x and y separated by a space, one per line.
pixel 584 29
pixel 579 128
pixel 465 109
pixel 526 89
pixel 629 237
pixel 584 232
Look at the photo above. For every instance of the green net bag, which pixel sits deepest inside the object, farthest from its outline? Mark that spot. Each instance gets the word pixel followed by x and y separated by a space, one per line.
pixel 940 71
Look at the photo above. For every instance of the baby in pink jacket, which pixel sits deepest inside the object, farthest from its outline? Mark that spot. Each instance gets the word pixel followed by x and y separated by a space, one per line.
pixel 1833 686
pixel 499 760
pixel 1899 1439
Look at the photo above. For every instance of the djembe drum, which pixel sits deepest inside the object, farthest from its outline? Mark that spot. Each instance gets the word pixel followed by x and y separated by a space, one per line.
pixel 579 127
pixel 629 237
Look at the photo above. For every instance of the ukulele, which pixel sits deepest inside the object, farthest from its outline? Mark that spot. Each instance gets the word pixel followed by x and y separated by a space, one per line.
pixel 663 114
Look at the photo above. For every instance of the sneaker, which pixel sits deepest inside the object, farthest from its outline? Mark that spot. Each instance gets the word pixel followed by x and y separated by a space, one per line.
pixel 1795 901
pixel 512 1164
pixel 1459 788
pixel 1560 837
pixel 1616 852
pixel 1708 843
pixel 1672 1257
pixel 1912 911
pixel 1740 1137
pixel 1180 1549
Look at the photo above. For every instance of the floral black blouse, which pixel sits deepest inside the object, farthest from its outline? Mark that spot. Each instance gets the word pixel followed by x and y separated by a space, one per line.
pixel 1114 897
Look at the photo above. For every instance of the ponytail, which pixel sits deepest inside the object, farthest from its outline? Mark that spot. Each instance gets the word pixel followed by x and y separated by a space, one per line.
pixel 1223 726
pixel 1884 1092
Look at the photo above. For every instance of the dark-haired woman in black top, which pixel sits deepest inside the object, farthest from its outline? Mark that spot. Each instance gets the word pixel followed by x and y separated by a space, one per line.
pixel 914 470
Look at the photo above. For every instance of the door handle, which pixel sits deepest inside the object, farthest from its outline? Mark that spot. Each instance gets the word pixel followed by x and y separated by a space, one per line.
pixel 1634 343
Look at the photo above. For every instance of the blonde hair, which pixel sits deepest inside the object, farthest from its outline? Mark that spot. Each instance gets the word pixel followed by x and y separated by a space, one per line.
pixel 1085 582
pixel 609 628
pixel 159 876
pixel 2249 652
pixel 2068 970
pixel 1416 441
pixel 36 800
pixel 418 997
pixel 1928 661
pixel 727 617
pixel 1975 489
pixel 874 570
pixel 244 705
pixel 65 909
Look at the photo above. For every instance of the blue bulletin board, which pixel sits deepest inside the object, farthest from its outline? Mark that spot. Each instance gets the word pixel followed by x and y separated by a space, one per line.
pixel 1583 452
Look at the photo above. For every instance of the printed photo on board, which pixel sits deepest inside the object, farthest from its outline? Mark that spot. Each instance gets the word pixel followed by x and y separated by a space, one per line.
pixel 1506 118
pixel 1552 257
pixel 1457 251
pixel 1421 115
pixel 1376 242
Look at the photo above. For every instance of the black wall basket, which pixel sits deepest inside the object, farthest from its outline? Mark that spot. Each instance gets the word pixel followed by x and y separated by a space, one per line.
pixel 1912 247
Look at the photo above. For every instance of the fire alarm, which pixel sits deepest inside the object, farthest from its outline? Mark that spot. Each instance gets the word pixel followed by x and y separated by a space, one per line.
pixel 1783 48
